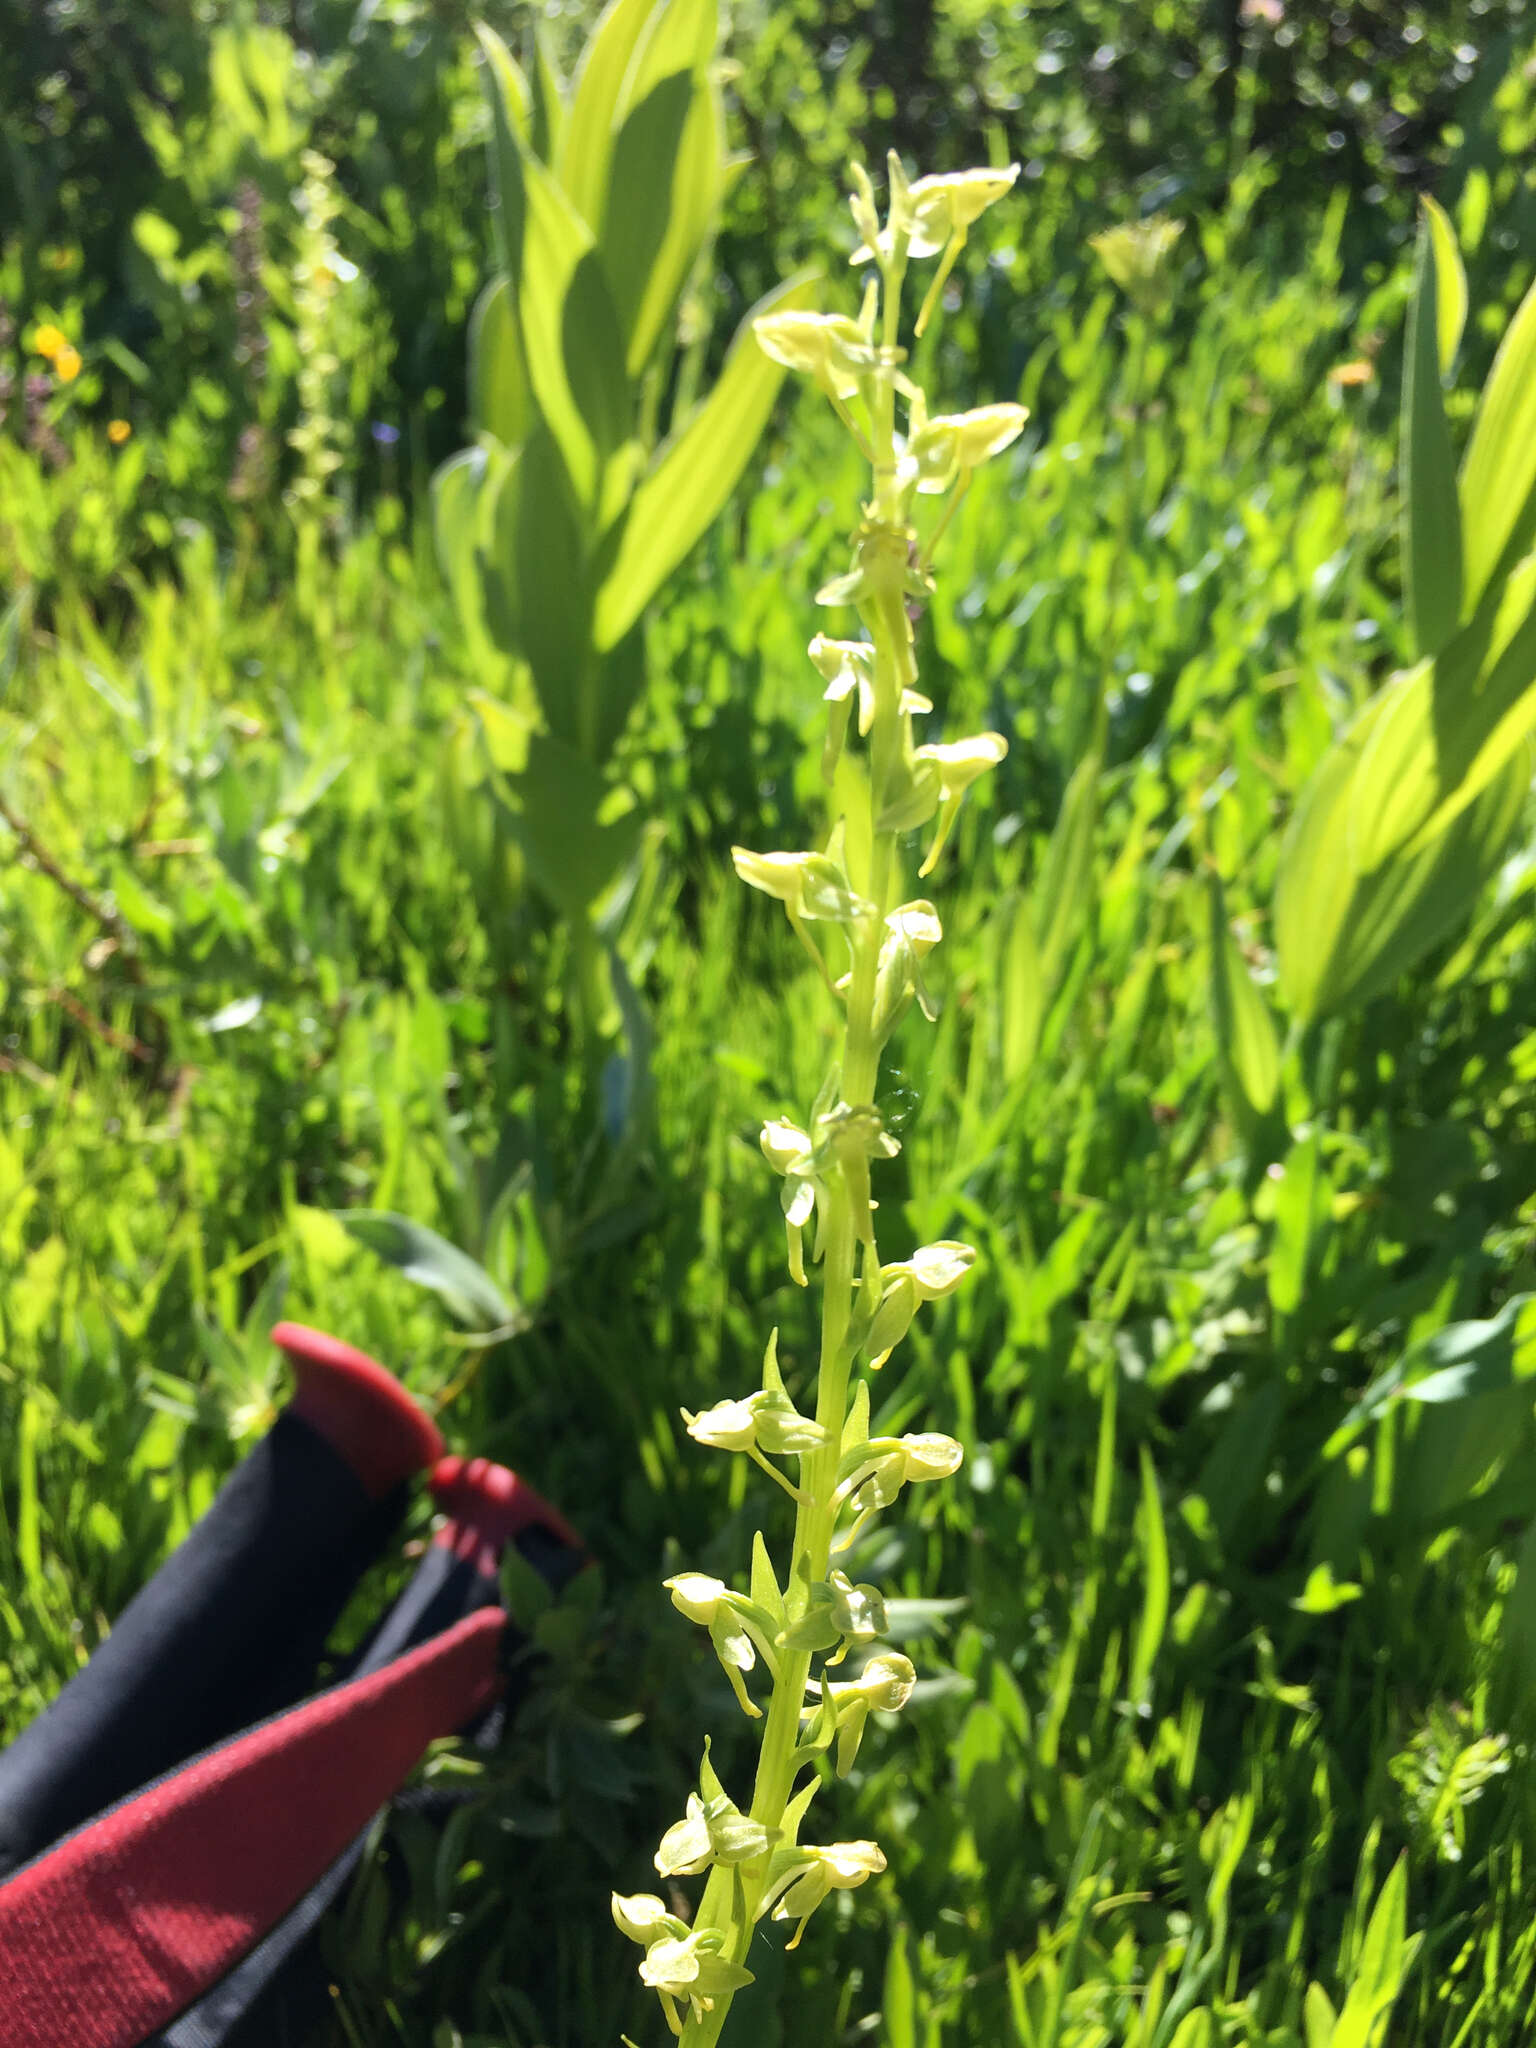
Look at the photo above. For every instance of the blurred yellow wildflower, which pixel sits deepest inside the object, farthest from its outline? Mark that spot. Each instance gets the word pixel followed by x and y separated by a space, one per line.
pixel 49 342
pixel 1346 374
pixel 66 364
pixel 118 431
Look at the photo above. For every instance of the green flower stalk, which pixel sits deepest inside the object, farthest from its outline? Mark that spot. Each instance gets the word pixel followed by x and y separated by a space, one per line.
pixel 848 906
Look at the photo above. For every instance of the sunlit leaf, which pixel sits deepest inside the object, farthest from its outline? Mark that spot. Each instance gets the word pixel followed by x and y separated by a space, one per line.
pixel 573 846
pixel 694 474
pixel 1431 540
pixel 553 594
pixel 587 142
pixel 1246 1036
pixel 571 339
pixel 1498 477
pixel 1064 893
pixel 1450 282
pixel 507 92
pixel 468 1291
pixel 498 384
pixel 1342 937
pixel 1446 730
pixel 640 205
pixel 1154 1608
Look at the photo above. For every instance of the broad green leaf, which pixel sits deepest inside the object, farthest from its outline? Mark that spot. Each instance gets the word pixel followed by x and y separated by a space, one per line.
pixel 1194 2030
pixel 1447 729
pixel 507 732
pixel 1431 537
pixel 1476 734
pixel 553 596
pixel 1154 1606
pixel 546 113
pixel 899 1998
pixel 1222 1842
pixel 1469 1358
pixel 1316 880
pixel 680 36
pixel 616 680
pixel 468 1291
pixel 694 473
pixel 1379 1969
pixel 1498 477
pixel 1064 893
pixel 640 204
pixel 563 821
pixel 1474 1378
pixel 456 487
pixel 506 89
pixel 571 339
pixel 1518 1640
pixel 495 544
pixel 1022 991
pixel 1343 937
pixel 1450 283
pixel 1479 1357
pixel 1319 2016
pixel 587 143
pixel 687 181
pixel 1303 1197
pixel 1246 1037
pixel 498 384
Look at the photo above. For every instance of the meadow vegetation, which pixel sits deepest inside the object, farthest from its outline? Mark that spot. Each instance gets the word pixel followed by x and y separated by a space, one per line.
pixel 1226 1628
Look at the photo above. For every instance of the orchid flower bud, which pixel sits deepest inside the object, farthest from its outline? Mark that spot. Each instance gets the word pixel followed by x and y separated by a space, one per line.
pixel 733 1621
pixel 946 206
pixel 885 1684
pixel 685 1848
pixel 645 1918
pixel 727 1426
pixel 893 1318
pixel 692 1967
pixel 939 1268
pixel 933 1271
pixel 713 1831
pixel 697 1595
pixel 931 1456
pixel 866 217
pixel 826 346
pixel 858 1612
pixel 840 1867
pixel 884 1687
pixel 1137 255
pixel 874 1472
pixel 784 1145
pixel 962 441
pixel 782 1431
pixel 836 1612
pixel 885 1481
pixel 807 884
pixel 912 932
pixel 788 1151
pixel 959 764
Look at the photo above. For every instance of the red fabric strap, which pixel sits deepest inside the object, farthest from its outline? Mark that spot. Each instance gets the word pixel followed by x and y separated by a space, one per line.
pixel 359 1407
pixel 490 1508
pixel 107 1937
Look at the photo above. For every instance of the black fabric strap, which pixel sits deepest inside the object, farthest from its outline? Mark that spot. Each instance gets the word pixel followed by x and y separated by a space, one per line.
pixel 277 1995
pixel 228 1631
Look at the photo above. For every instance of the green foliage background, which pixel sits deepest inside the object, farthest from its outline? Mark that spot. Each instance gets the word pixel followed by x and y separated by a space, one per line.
pixel 1222 1639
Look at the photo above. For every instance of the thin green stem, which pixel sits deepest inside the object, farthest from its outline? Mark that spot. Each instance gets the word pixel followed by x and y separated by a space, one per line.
pixel 732 1897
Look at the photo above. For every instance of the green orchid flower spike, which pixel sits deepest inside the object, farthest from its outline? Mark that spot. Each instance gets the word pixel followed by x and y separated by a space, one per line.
pixel 850 906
